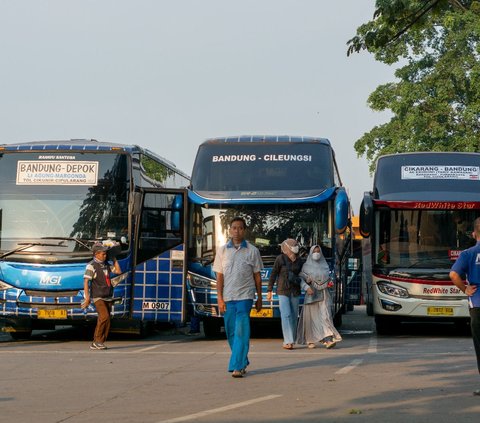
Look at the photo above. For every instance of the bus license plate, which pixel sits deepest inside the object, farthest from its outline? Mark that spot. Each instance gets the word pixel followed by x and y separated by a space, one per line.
pixel 264 312
pixel 52 314
pixel 440 311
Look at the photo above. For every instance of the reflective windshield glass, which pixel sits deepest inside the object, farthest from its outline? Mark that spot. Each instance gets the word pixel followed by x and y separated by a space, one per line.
pixel 267 227
pixel 428 177
pixel 81 195
pixel 266 168
pixel 422 238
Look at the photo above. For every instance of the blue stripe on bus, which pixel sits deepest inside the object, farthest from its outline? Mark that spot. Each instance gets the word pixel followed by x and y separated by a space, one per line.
pixel 320 198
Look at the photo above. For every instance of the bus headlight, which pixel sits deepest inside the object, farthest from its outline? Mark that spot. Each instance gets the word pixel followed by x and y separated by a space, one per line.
pixel 392 289
pixel 197 281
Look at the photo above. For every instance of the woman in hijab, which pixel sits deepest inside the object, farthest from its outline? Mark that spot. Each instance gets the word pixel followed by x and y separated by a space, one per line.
pixel 285 274
pixel 315 323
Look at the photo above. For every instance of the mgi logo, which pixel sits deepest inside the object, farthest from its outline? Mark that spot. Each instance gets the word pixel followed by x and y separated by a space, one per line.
pixel 50 280
pixel 265 273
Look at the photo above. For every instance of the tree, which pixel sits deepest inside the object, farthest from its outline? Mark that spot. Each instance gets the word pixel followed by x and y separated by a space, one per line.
pixel 435 102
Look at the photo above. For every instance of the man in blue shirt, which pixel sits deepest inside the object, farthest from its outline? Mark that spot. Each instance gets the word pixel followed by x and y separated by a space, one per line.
pixel 237 265
pixel 468 265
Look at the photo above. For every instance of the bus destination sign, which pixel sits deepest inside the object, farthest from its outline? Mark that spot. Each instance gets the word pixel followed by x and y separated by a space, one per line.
pixel 33 172
pixel 471 173
pixel 266 158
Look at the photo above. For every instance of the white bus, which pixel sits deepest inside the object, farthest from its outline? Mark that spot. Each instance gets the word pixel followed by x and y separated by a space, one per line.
pixel 416 221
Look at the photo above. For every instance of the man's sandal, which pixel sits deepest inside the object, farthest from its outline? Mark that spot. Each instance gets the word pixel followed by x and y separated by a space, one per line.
pixel 237 373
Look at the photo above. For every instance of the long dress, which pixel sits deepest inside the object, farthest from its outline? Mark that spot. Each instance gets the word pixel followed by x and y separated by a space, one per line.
pixel 315 323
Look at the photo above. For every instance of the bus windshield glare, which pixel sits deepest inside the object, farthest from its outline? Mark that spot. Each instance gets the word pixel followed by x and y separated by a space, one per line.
pixel 422 238
pixel 81 195
pixel 267 227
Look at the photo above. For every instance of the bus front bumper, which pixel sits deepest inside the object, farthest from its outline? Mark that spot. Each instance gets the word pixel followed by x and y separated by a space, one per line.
pixel 421 308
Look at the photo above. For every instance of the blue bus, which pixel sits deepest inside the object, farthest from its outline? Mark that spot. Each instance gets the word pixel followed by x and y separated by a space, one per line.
pixel 284 187
pixel 56 200
pixel 416 221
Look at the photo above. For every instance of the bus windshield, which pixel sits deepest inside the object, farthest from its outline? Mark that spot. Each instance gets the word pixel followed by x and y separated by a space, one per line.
pixel 263 170
pixel 62 196
pixel 267 227
pixel 421 238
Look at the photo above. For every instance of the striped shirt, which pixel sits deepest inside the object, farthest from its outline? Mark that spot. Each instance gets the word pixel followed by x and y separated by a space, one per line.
pixel 91 274
pixel 238 265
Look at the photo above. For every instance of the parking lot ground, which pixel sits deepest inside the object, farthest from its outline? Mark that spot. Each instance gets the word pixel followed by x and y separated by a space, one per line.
pixel 424 374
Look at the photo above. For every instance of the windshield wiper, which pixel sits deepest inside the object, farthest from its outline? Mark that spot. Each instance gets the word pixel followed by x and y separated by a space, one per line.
pixel 78 241
pixel 26 245
pixel 429 260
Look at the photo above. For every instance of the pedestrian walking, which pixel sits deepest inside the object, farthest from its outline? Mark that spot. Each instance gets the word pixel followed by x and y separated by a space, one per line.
pixel 237 266
pixel 315 323
pixel 285 274
pixel 468 266
pixel 97 285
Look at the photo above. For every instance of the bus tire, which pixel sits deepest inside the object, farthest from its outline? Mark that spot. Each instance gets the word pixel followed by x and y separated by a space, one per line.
pixel 212 327
pixel 369 308
pixel 21 335
pixel 386 325
pixel 338 320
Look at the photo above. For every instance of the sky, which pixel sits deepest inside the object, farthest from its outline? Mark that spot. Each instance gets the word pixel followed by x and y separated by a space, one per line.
pixel 166 75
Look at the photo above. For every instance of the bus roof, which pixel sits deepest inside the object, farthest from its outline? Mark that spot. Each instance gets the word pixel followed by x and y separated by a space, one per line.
pixel 73 144
pixel 266 139
pixel 85 145
pixel 428 176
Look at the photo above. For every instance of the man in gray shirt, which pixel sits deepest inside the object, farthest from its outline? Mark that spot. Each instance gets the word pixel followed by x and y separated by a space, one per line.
pixel 237 265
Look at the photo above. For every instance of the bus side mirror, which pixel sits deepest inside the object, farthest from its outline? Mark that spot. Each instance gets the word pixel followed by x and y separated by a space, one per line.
pixel 177 208
pixel 341 211
pixel 366 215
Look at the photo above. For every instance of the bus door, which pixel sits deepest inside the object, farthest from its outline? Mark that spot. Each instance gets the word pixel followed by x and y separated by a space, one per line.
pixel 159 293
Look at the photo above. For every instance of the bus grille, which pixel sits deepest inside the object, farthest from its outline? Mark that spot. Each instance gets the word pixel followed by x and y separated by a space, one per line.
pixel 31 293
pixel 49 306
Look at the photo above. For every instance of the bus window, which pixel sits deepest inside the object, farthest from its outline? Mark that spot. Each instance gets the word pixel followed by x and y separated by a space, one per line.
pixel 156 232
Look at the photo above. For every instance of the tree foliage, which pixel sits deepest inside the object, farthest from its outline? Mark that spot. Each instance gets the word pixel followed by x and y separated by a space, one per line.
pixel 435 101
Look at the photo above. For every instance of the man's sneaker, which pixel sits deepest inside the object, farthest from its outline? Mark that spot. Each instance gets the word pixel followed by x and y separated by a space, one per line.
pixel 98 346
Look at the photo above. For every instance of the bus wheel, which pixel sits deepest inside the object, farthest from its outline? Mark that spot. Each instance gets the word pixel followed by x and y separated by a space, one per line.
pixel 337 319
pixel 369 308
pixel 212 327
pixel 19 335
pixel 386 325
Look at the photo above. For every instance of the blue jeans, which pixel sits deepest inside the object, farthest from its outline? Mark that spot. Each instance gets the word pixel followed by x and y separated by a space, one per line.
pixel 237 328
pixel 289 315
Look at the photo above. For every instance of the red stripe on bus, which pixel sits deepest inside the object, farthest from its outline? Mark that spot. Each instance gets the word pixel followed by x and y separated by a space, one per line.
pixel 413 280
pixel 430 205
